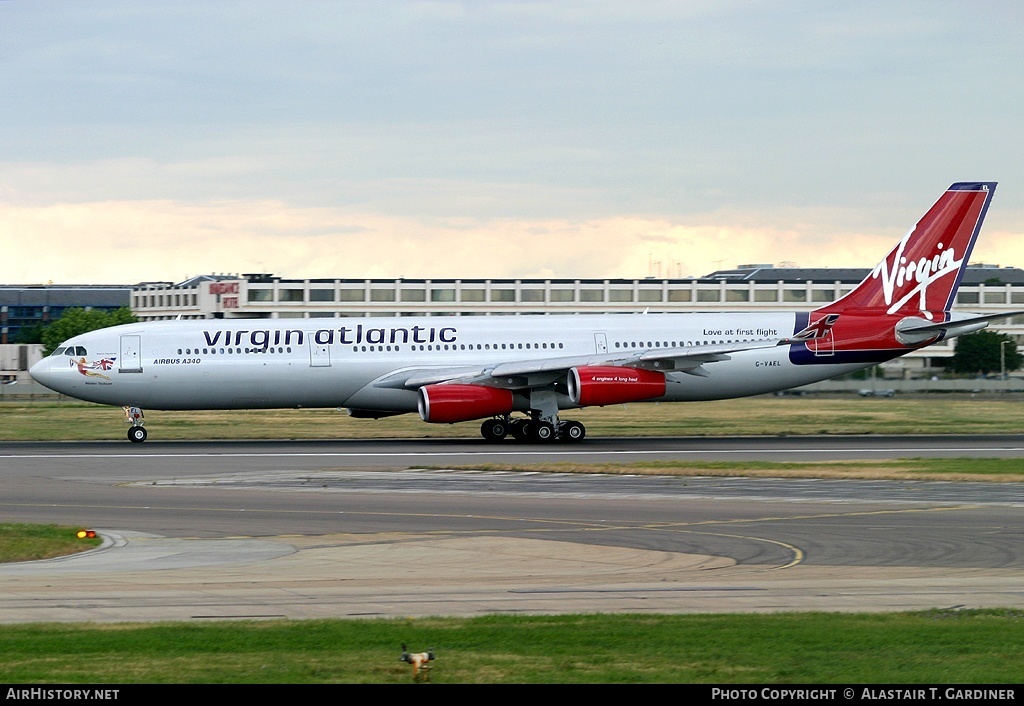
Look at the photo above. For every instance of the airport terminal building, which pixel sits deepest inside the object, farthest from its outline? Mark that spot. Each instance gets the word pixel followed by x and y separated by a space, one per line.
pixel 31 304
pixel 986 289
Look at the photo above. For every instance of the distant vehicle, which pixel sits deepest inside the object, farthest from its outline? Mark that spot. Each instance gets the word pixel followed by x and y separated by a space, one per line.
pixel 877 393
pixel 456 369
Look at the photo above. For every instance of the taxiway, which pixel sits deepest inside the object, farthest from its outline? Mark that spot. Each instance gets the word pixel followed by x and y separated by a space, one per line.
pixel 340 529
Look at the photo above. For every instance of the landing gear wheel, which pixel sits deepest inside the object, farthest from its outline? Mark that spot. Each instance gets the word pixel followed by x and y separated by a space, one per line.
pixel 573 432
pixel 494 430
pixel 137 435
pixel 542 432
pixel 521 429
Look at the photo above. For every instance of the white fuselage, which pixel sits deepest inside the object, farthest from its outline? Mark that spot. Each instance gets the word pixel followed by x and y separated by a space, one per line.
pixel 267 363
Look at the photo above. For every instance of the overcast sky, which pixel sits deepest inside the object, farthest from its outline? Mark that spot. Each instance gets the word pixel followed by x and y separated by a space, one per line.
pixel 153 141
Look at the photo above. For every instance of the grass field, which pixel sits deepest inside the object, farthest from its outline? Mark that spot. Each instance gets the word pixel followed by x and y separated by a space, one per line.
pixel 19 542
pixel 936 647
pixel 936 414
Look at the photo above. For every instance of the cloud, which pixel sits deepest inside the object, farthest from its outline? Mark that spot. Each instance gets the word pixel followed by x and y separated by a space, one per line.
pixel 503 139
pixel 131 241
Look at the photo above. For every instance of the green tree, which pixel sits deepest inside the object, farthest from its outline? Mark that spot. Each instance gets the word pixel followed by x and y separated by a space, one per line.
pixel 33 333
pixel 76 321
pixel 980 353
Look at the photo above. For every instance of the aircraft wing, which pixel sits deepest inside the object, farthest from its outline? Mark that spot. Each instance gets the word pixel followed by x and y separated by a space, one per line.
pixel 507 374
pixel 691 359
pixel 417 377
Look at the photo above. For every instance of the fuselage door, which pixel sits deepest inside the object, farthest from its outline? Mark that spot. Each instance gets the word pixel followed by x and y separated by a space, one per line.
pixel 130 360
pixel 823 346
pixel 319 355
pixel 601 342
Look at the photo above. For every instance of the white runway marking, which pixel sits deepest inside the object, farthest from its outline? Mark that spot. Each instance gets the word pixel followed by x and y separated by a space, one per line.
pixel 519 453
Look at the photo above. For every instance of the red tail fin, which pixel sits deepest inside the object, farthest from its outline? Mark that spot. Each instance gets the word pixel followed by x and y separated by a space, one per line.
pixel 921 274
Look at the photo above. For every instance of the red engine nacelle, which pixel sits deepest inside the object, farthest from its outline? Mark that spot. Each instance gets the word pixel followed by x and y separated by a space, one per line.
pixel 600 385
pixel 444 404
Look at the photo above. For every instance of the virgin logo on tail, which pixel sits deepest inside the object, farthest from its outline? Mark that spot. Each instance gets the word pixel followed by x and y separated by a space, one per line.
pixel 924 271
pixel 921 274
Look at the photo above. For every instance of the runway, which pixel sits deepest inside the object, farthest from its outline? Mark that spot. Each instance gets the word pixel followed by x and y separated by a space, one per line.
pixel 389 453
pixel 205 530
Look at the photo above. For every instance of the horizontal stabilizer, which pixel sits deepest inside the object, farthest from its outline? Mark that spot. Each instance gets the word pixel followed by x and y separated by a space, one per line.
pixel 914 331
pixel 915 328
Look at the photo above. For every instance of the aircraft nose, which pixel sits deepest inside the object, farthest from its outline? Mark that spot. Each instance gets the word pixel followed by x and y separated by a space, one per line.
pixel 41 373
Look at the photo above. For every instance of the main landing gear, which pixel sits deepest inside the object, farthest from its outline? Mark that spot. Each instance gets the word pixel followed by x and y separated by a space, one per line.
pixel 136 432
pixel 532 430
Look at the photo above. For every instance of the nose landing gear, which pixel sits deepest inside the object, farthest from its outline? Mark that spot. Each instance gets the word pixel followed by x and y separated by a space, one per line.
pixel 137 432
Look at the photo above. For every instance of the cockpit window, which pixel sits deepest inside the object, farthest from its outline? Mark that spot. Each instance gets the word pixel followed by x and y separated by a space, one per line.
pixel 71 350
pixel 59 351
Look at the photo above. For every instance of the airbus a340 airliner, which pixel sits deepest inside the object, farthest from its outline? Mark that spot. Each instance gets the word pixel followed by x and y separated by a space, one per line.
pixel 453 369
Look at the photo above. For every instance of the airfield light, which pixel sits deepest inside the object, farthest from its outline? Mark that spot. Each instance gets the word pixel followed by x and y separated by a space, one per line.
pixel 86 534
